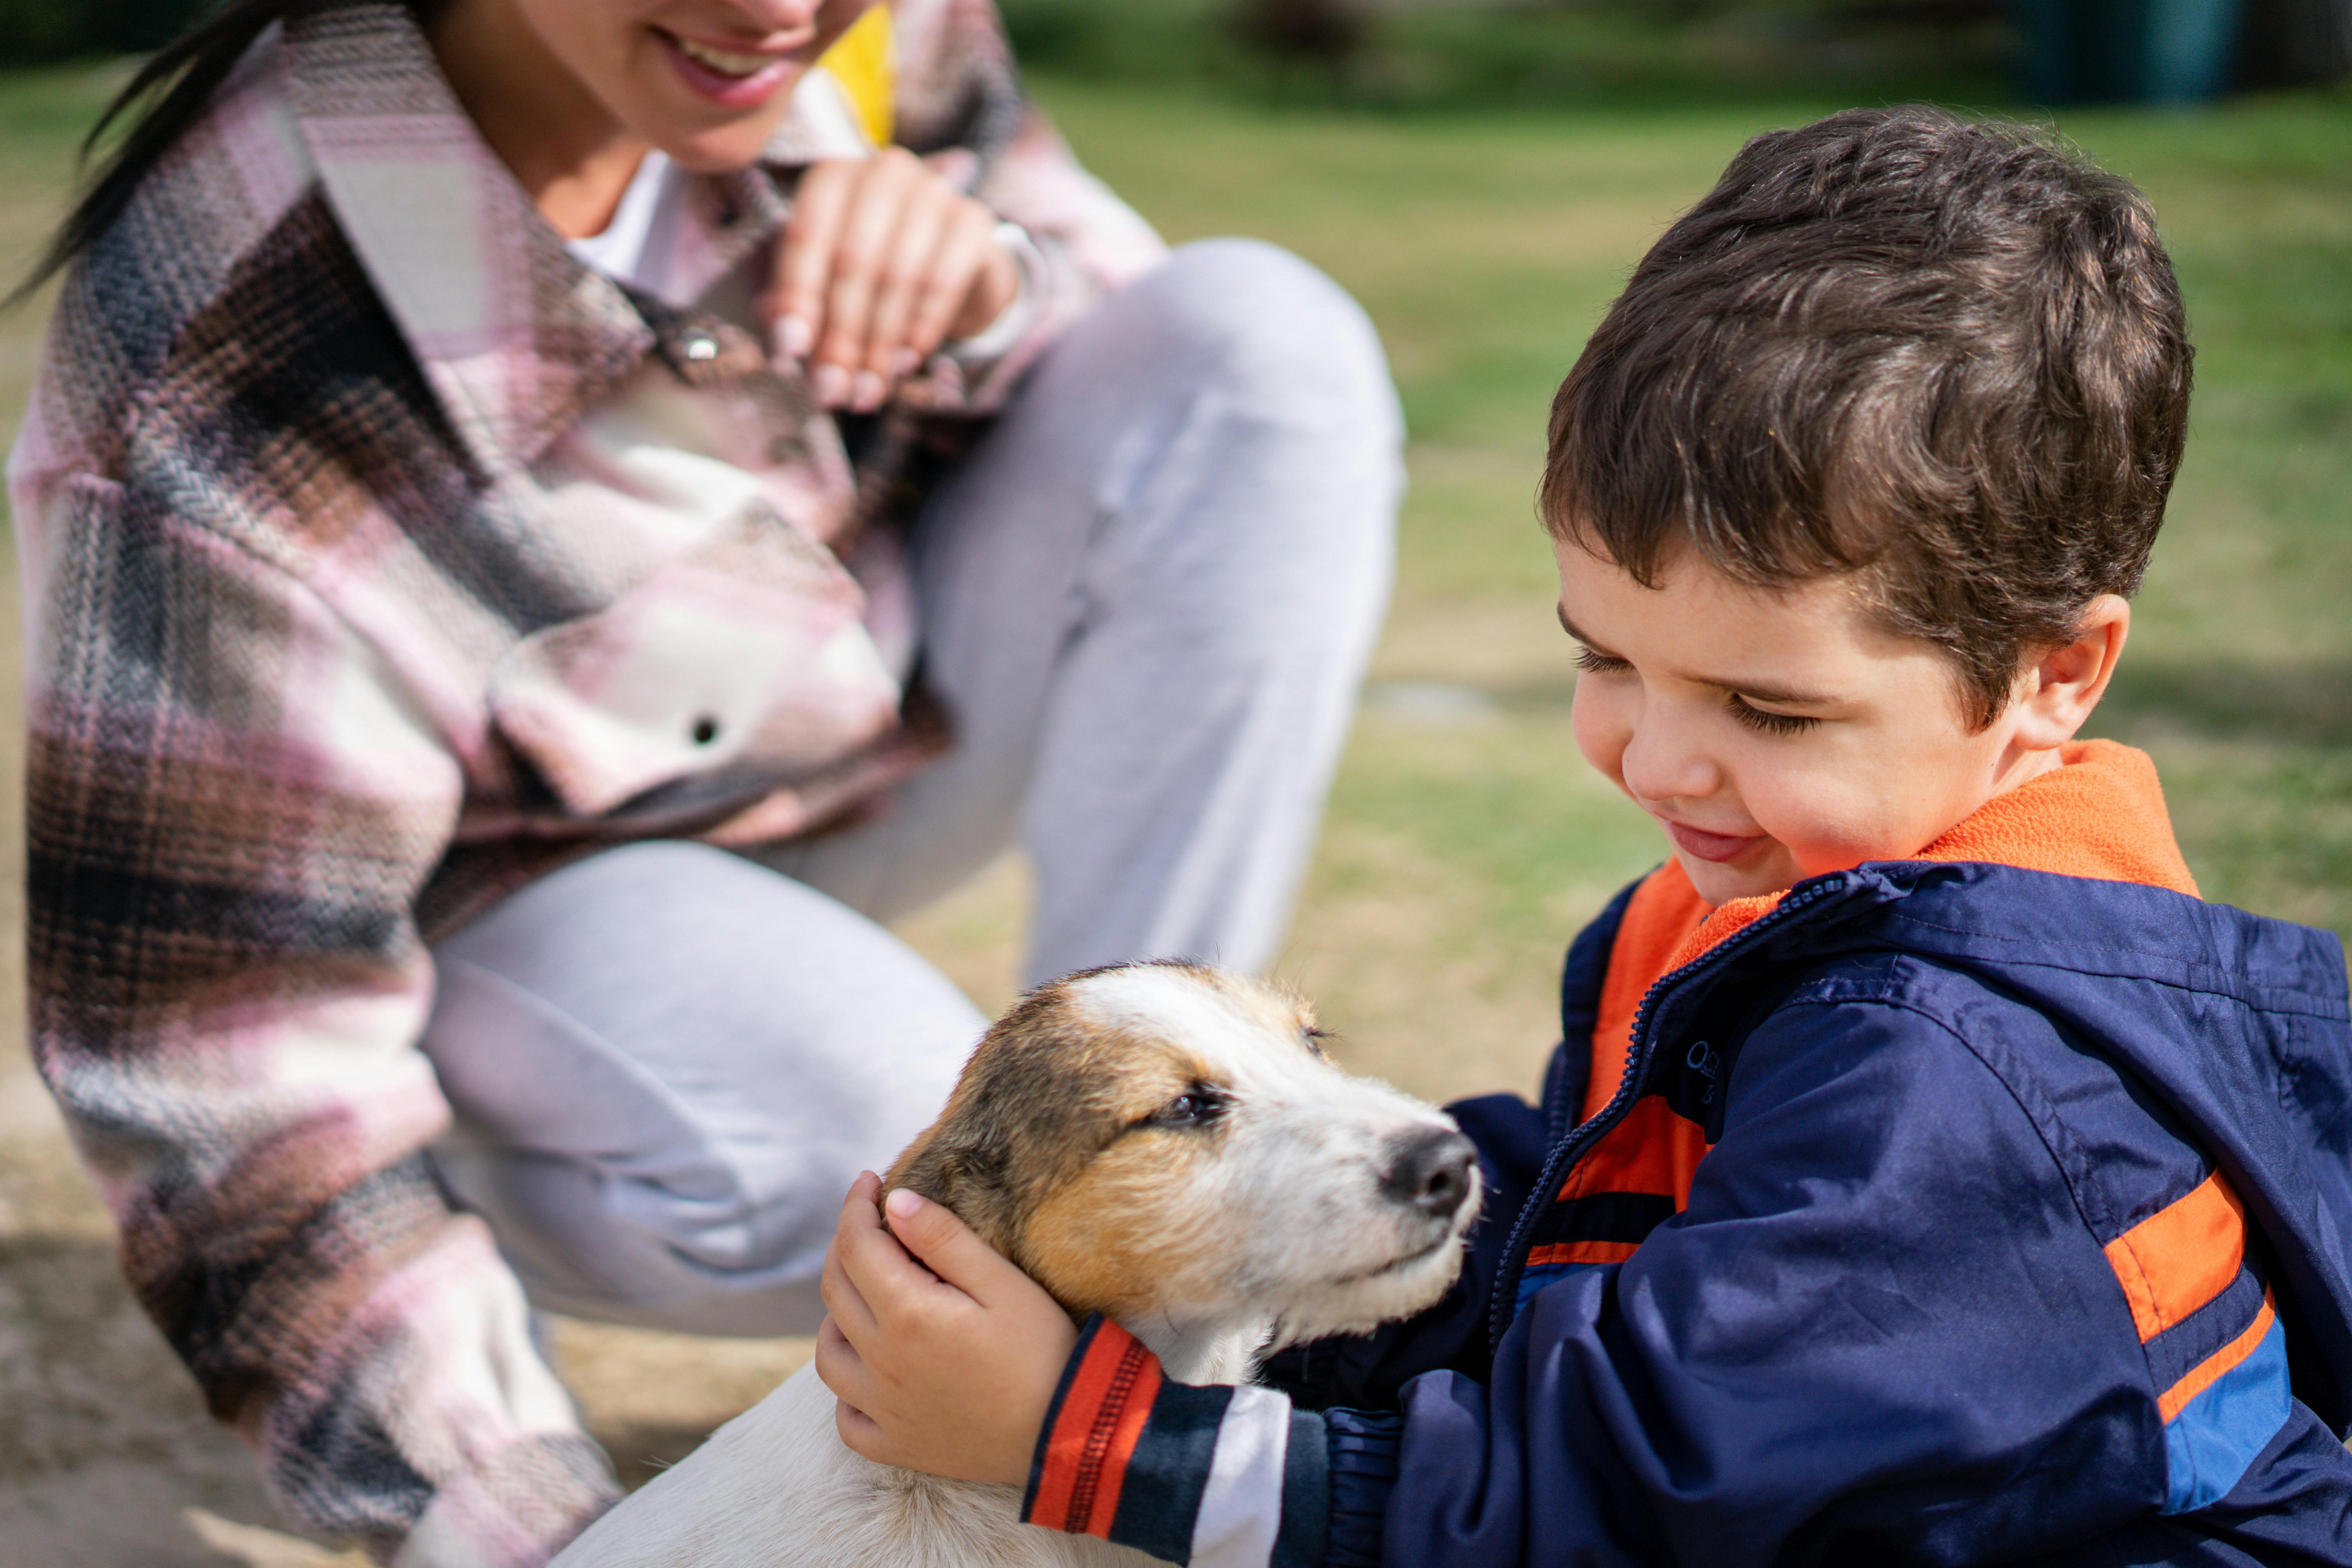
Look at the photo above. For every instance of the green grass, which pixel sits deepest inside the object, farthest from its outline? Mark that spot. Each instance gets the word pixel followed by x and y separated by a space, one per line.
pixel 1462 855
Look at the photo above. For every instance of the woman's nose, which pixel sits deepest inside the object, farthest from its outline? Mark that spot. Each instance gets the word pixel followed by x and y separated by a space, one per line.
pixel 790 15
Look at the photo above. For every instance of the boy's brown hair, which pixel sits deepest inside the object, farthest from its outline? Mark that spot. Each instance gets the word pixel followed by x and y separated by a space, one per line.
pixel 1946 356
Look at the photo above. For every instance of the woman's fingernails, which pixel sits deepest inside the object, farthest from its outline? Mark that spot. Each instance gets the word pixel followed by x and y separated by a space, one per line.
pixel 830 384
pixel 866 393
pixel 791 337
pixel 904 1202
pixel 905 362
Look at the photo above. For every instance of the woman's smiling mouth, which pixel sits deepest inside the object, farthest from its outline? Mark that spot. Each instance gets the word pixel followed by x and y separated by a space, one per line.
pixel 728 63
pixel 738 78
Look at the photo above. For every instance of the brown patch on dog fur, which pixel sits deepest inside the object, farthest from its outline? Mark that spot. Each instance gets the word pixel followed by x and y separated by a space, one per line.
pixel 1030 1152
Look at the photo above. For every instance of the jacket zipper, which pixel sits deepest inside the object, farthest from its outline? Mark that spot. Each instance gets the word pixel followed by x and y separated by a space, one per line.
pixel 1504 1308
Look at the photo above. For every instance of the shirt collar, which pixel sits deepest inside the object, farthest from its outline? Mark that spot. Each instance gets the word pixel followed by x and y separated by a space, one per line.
pixel 517 337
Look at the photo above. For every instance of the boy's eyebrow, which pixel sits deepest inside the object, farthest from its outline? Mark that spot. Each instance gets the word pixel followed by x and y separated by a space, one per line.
pixel 1570 626
pixel 1744 687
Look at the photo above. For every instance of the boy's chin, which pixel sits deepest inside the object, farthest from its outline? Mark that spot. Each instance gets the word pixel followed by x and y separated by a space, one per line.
pixel 1762 871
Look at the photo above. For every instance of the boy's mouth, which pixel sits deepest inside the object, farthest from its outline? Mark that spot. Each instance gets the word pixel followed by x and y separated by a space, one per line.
pixel 1710 846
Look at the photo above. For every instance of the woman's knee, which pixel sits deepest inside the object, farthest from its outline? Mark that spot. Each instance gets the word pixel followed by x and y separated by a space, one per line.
pixel 1271 329
pixel 668 1064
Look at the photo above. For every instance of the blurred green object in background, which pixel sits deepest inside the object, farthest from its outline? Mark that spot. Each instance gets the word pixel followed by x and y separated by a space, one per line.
pixel 2176 51
pixel 1453 54
pixel 33 31
pixel 2132 52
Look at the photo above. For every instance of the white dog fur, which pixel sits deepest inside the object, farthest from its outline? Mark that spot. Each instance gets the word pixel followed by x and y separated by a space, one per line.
pixel 1164 1143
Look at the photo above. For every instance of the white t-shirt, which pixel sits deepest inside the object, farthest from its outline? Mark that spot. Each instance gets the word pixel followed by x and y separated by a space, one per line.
pixel 637 247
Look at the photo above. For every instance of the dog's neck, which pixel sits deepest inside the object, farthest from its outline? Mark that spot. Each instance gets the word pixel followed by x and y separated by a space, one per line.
pixel 1203 1349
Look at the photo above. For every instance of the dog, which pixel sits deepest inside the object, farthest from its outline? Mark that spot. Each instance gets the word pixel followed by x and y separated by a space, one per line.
pixel 1164 1143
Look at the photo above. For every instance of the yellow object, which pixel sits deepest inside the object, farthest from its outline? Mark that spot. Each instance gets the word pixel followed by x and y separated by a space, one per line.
pixel 865 62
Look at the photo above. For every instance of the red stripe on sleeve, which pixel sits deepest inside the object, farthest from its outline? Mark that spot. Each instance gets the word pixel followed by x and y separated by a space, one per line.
pixel 1582 1252
pixel 1118 1425
pixel 1095 1433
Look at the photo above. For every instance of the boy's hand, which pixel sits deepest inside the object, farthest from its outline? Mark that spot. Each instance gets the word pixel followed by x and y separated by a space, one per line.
pixel 947 1368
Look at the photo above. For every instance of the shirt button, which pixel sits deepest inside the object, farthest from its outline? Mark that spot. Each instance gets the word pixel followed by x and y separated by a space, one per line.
pixel 701 347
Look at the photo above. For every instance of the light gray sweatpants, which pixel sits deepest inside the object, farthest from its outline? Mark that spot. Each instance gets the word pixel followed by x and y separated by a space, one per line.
pixel 1146 599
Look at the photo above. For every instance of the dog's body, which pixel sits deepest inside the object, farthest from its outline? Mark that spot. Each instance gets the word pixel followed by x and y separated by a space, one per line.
pixel 1161 1143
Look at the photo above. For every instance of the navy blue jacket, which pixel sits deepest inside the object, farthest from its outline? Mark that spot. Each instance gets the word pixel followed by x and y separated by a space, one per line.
pixel 1959 1281
pixel 1887 1327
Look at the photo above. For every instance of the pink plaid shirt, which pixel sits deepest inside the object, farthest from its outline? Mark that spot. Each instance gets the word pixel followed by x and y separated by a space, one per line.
pixel 378 558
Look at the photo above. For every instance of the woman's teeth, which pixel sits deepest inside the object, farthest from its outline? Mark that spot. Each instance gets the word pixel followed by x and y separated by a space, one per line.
pixel 726 62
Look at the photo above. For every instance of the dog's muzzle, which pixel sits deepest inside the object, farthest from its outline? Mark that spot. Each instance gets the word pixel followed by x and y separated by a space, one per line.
pixel 1430 1173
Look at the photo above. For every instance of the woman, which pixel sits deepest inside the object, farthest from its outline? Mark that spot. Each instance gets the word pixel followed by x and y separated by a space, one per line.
pixel 542 521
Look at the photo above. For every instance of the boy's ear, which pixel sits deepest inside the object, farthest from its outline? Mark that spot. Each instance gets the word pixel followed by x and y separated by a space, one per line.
pixel 2064 683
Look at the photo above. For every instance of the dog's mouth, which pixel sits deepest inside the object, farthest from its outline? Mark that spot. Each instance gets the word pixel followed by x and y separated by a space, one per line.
pixel 1401 1264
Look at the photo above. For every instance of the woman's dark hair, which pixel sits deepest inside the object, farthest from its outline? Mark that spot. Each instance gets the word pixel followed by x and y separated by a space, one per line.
pixel 1947 357
pixel 167 96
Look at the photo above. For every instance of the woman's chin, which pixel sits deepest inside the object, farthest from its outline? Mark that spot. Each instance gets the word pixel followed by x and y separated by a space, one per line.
pixel 702 141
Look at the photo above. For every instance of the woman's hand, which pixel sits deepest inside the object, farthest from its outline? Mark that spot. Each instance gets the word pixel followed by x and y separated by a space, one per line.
pixel 947 1369
pixel 883 260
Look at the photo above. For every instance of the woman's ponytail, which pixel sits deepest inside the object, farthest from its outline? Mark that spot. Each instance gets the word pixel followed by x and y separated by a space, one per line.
pixel 169 95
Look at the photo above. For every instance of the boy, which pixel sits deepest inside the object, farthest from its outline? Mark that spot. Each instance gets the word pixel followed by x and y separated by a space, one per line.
pixel 1928 1175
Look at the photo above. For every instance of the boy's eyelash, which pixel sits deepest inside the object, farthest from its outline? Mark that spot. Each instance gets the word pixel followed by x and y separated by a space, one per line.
pixel 1766 723
pixel 1591 661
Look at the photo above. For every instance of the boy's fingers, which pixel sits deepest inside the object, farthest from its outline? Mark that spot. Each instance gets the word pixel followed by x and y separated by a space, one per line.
pixel 859 1431
pixel 839 1366
pixel 886 1277
pixel 843 1304
pixel 944 1243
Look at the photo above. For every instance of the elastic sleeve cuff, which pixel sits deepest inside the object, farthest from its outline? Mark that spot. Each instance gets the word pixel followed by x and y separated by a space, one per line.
pixel 1217 1475
pixel 1363 1447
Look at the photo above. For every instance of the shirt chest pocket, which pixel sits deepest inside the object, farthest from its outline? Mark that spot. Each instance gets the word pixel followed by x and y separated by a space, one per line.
pixel 737 668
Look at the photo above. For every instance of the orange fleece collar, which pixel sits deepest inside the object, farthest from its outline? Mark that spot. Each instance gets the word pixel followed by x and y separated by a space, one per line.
pixel 2100 813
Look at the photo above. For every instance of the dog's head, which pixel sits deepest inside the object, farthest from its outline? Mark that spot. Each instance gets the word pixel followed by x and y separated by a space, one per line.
pixel 1165 1138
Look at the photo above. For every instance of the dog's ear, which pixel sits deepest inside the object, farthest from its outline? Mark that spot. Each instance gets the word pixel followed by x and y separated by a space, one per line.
pixel 956 1164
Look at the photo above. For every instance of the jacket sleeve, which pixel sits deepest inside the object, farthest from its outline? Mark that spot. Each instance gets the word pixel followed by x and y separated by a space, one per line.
pixel 1881 1331
pixel 231 807
pixel 960 100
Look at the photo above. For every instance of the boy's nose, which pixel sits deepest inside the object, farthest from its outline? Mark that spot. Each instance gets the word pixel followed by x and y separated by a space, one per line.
pixel 1659 767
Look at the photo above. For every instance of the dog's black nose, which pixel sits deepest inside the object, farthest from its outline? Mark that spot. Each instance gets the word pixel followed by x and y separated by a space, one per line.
pixel 1431 1171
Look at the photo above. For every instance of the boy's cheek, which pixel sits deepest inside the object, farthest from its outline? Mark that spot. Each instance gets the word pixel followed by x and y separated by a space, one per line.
pixel 1600 733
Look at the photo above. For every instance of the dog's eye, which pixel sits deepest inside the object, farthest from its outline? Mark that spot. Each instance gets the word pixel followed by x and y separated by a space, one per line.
pixel 1315 1038
pixel 1194 1108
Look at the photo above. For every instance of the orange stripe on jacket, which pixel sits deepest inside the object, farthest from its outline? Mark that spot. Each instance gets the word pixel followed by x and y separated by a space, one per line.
pixel 1651 1151
pixel 2181 1257
pixel 1101 1418
pixel 2207 1372
pixel 1660 916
